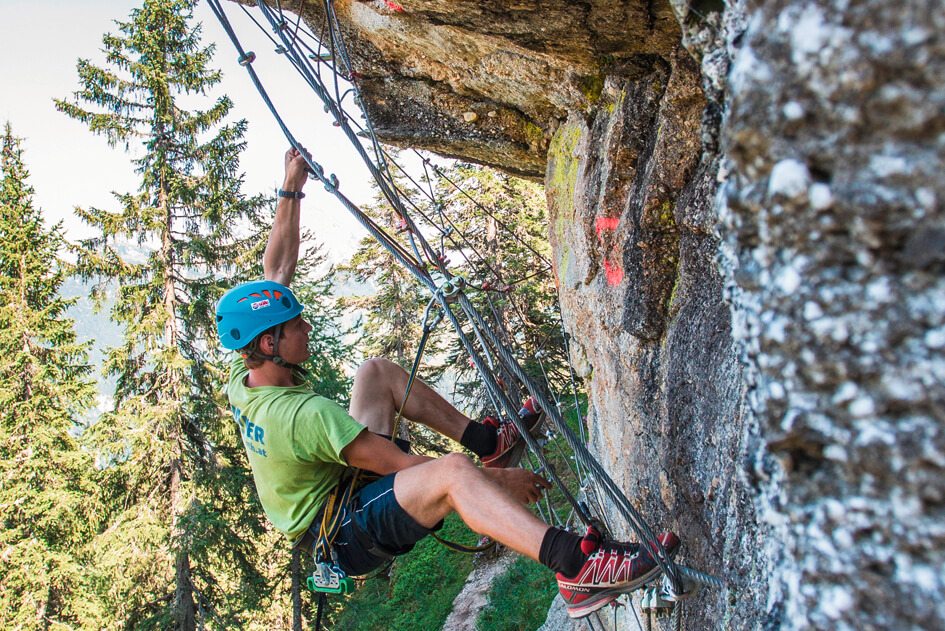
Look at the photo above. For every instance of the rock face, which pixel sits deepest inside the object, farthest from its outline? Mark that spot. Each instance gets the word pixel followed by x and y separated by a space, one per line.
pixel 747 219
pixel 426 65
pixel 833 218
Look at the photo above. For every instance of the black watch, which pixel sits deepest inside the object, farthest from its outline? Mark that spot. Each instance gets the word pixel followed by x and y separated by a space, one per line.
pixel 291 194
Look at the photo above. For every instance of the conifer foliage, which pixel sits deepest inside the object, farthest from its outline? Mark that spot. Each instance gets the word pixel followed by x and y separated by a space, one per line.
pixel 179 549
pixel 332 353
pixel 503 223
pixel 393 312
pixel 494 226
pixel 47 511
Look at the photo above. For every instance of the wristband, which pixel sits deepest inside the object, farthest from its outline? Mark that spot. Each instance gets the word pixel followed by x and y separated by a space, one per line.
pixel 291 194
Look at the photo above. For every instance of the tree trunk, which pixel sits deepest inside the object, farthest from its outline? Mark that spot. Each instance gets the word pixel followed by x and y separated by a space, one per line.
pixel 185 611
pixel 296 571
pixel 184 607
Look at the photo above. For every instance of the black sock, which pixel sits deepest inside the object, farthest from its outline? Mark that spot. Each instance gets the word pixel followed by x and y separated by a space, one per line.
pixel 479 438
pixel 561 551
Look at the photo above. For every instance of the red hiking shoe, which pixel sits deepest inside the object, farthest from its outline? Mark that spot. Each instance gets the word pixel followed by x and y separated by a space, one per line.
pixel 614 569
pixel 509 442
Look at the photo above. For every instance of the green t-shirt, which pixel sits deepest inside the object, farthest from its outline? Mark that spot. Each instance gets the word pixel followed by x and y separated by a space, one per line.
pixel 293 438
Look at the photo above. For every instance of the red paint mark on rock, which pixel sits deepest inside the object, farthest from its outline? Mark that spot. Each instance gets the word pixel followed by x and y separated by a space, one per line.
pixel 393 6
pixel 614 273
pixel 606 223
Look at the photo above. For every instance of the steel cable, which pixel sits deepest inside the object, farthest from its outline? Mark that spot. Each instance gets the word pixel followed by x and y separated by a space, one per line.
pixel 492 346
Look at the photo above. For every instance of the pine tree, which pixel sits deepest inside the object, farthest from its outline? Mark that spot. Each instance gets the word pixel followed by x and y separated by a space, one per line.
pixel 47 510
pixel 180 549
pixel 393 313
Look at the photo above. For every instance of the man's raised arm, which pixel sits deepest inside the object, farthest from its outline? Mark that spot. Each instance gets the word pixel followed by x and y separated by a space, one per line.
pixel 282 250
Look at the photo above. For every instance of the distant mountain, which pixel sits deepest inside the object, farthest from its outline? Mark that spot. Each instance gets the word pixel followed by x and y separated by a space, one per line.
pixel 93 325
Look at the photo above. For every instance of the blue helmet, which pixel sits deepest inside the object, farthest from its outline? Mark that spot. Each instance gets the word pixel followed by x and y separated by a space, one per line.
pixel 251 308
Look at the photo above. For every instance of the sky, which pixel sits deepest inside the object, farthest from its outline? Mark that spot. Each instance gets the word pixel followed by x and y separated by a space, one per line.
pixel 70 167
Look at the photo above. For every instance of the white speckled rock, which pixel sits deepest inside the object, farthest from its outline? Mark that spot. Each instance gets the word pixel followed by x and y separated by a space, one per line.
pixel 861 76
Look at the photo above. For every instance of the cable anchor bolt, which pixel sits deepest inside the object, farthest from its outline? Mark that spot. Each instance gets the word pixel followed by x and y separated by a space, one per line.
pixel 689 588
pixel 451 288
pixel 653 602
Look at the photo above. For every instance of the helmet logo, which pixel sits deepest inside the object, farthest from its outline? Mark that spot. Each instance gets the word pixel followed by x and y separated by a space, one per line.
pixel 260 304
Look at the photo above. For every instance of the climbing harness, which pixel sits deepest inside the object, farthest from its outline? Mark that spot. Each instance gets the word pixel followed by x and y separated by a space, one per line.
pixel 328 577
pixel 486 343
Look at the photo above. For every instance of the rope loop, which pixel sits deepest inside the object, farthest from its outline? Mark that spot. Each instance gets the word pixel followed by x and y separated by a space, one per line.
pixel 430 323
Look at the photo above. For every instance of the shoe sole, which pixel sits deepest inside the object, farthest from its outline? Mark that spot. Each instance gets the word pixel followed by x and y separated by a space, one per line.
pixel 607 596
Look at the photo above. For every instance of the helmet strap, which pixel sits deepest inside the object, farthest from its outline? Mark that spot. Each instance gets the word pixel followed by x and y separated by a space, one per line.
pixel 275 358
pixel 276 334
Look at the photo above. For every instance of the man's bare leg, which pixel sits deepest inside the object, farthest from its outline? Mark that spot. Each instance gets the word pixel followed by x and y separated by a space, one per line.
pixel 432 490
pixel 379 390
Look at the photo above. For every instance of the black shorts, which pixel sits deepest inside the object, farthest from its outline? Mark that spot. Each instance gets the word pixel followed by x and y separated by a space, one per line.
pixel 374 527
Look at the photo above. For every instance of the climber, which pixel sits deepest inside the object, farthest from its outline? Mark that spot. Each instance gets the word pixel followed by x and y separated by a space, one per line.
pixel 299 446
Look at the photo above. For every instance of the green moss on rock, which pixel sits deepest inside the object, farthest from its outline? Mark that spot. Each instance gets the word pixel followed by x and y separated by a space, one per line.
pixel 591 87
pixel 534 135
pixel 559 186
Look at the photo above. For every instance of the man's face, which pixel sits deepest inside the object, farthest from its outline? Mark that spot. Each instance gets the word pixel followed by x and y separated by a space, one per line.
pixel 293 345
